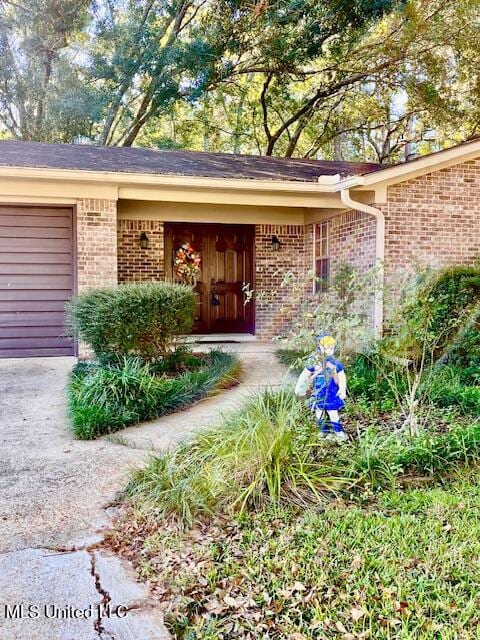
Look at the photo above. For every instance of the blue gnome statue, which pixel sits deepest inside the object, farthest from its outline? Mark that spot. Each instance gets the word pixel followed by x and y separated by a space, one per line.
pixel 329 389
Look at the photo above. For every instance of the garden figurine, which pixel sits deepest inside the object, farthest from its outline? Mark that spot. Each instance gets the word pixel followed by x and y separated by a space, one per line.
pixel 327 378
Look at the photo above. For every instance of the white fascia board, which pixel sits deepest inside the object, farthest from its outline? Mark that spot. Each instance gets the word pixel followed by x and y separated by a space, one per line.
pixel 415 168
pixel 172 180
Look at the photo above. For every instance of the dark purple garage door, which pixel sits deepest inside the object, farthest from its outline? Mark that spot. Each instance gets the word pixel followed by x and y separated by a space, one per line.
pixel 36 279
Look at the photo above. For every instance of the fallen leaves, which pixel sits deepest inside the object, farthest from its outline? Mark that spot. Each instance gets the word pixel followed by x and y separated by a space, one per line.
pixel 283 581
pixel 356 614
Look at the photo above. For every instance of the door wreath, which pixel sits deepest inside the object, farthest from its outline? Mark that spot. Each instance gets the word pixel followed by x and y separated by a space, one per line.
pixel 187 263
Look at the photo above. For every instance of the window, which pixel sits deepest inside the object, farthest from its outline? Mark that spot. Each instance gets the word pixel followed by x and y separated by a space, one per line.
pixel 321 257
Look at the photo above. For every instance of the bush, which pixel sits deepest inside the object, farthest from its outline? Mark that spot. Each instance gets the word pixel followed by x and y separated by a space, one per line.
pixel 454 386
pixel 105 398
pixel 133 319
pixel 437 317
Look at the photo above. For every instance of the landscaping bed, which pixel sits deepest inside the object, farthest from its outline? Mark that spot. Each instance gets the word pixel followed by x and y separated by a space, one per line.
pixel 104 398
pixel 373 539
pixel 142 368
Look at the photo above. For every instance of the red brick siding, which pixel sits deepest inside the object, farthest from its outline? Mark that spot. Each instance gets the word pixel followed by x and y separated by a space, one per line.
pixel 270 267
pixel 96 243
pixel 136 264
pixel 433 220
pixel 352 240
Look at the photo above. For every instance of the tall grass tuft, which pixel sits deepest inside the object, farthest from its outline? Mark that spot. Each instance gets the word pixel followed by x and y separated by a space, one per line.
pixel 267 453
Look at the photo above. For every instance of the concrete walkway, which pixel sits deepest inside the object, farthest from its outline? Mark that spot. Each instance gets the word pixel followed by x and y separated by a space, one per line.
pixel 54 493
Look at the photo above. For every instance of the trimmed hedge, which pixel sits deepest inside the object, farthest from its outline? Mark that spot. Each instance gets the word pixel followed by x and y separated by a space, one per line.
pixel 132 319
pixel 105 398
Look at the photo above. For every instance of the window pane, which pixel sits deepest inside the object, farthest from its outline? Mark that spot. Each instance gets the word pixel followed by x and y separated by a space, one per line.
pixel 321 257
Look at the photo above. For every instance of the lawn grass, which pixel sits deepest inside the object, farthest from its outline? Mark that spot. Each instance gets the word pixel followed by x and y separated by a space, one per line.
pixel 108 397
pixel 396 565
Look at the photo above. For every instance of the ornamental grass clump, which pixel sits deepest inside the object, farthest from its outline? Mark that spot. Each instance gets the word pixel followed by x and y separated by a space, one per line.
pixel 143 320
pixel 265 454
pixel 104 398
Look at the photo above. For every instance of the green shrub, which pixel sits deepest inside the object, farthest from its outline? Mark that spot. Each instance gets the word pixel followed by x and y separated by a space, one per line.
pixel 436 316
pixel 293 358
pixel 465 351
pixel 133 319
pixel 105 398
pixel 454 386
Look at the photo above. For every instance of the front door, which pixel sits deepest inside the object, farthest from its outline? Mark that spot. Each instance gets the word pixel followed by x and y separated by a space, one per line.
pixel 226 252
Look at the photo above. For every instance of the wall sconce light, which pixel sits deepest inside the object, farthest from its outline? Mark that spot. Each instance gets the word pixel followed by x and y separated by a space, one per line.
pixel 143 240
pixel 276 244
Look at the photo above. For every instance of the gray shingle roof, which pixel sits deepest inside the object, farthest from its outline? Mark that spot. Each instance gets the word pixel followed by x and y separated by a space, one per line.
pixel 166 162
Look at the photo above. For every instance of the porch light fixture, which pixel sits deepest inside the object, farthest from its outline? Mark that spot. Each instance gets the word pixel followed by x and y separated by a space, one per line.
pixel 143 240
pixel 276 244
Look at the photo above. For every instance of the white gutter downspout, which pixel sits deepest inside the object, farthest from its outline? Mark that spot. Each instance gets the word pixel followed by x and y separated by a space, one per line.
pixel 379 252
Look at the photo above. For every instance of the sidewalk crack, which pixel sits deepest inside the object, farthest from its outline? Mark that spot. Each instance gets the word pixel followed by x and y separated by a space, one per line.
pixel 106 599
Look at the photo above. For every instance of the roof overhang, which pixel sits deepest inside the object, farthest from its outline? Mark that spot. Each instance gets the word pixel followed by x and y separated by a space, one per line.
pixel 174 188
pixel 322 194
pixel 421 166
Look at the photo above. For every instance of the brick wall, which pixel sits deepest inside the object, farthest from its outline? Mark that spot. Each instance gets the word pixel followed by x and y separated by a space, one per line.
pixel 352 240
pixel 96 243
pixel 273 308
pixel 96 248
pixel 433 220
pixel 136 264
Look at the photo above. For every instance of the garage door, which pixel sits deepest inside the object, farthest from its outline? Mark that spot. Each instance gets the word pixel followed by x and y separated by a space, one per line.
pixel 36 279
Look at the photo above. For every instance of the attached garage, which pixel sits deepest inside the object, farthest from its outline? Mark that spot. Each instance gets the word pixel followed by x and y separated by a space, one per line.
pixel 36 279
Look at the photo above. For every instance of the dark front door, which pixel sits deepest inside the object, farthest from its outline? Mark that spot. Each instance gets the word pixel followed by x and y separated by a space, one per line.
pixel 227 265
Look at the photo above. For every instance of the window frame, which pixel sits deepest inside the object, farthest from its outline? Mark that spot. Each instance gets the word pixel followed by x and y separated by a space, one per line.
pixel 321 235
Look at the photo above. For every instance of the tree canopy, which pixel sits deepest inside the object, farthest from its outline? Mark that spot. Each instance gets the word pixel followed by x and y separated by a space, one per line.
pixel 374 79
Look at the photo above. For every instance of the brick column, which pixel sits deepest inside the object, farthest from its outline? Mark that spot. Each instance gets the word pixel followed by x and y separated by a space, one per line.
pixel 96 248
pixel 96 243
pixel 134 263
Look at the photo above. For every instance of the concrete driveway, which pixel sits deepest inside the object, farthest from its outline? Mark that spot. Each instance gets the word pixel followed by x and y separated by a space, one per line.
pixel 54 490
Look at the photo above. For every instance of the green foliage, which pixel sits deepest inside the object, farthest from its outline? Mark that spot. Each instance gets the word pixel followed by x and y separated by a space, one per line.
pixel 133 319
pixel 465 351
pixel 263 454
pixel 380 459
pixel 105 398
pixel 433 318
pixel 454 386
pixel 304 78
pixel 402 569
pixel 341 312
pixel 269 454
pixel 39 73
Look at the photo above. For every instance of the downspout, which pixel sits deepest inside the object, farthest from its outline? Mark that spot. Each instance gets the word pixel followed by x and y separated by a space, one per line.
pixel 379 252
